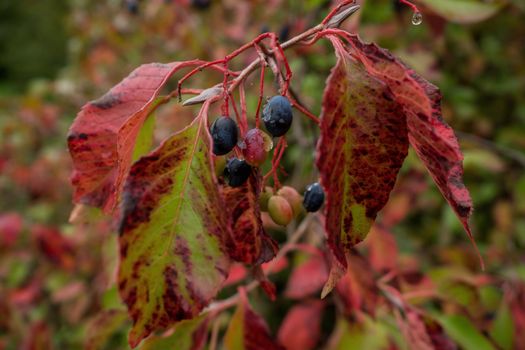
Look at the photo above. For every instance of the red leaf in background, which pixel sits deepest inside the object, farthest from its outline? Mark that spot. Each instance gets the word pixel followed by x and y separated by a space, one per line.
pixel 102 138
pixel 54 246
pixel 250 244
pixel 301 328
pixel 362 147
pixel 382 249
pixel 357 288
pixel 238 272
pixel 308 278
pixel 422 334
pixel 27 294
pixel 10 227
pixel 429 134
pixel 38 337
pixel 515 297
pixel 247 330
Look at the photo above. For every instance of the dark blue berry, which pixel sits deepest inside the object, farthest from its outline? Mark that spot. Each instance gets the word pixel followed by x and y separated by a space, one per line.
pixel 277 115
pixel 132 6
pixel 313 197
pixel 201 4
pixel 237 172
pixel 224 135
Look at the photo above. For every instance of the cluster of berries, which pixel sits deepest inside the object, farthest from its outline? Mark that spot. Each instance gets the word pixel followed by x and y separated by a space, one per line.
pixel 277 118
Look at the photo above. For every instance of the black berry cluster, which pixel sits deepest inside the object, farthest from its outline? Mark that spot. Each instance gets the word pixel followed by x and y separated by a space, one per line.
pixel 224 134
pixel 313 197
pixel 278 116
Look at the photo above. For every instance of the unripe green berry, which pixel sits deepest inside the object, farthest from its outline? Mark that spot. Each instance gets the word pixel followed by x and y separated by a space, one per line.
pixel 280 210
pixel 293 197
pixel 264 197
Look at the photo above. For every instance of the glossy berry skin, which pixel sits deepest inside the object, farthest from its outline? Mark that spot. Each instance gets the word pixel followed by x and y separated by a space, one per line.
pixel 293 197
pixel 313 197
pixel 255 146
pixel 264 197
pixel 280 210
pixel 277 115
pixel 201 4
pixel 224 135
pixel 237 171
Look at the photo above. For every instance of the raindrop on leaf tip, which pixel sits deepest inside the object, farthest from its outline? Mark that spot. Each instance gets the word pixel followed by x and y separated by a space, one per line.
pixel 417 18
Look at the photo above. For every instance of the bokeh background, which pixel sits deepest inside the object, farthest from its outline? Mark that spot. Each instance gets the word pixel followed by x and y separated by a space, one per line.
pixel 55 55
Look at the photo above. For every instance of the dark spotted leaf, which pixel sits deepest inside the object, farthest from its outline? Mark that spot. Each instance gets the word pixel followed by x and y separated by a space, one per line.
pixel 250 244
pixel 362 146
pixel 102 138
pixel 186 335
pixel 247 330
pixel 301 328
pixel 432 138
pixel 173 231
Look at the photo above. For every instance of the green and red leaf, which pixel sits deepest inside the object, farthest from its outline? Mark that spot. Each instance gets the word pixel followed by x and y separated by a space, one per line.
pixel 186 335
pixel 432 138
pixel 103 326
pixel 102 138
pixel 250 244
pixel 247 330
pixel 362 147
pixel 172 235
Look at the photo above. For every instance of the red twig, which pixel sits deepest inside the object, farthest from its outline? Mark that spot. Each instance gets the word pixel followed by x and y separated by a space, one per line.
pixel 336 10
pixel 303 110
pixel 409 4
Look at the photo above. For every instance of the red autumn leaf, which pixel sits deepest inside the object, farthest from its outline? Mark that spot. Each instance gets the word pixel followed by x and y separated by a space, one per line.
pixel 515 297
pixel 432 138
pixel 382 249
pixel 57 248
pixel 247 330
pixel 421 333
pixel 172 234
pixel 10 227
pixel 250 244
pixel 301 327
pixel 102 138
pixel 308 278
pixel 362 147
pixel 238 272
pixel 38 337
pixel 357 288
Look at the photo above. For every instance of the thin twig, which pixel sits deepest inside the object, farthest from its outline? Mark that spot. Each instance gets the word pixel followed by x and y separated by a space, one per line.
pixel 288 246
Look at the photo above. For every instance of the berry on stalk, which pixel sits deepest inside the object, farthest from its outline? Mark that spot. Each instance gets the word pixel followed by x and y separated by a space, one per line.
pixel 280 210
pixel 224 135
pixel 277 115
pixel 264 197
pixel 293 197
pixel 201 4
pixel 255 146
pixel 237 171
pixel 313 197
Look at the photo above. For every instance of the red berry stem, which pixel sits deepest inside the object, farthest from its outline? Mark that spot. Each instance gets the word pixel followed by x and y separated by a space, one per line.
pixel 238 116
pixel 409 4
pixel 337 9
pixel 303 109
pixel 277 155
pixel 244 114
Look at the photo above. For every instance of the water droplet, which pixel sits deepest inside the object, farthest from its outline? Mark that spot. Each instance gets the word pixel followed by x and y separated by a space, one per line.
pixel 417 18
